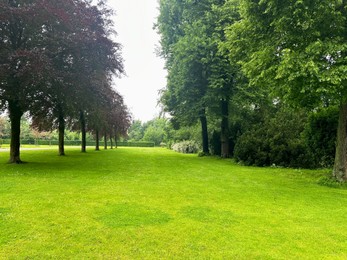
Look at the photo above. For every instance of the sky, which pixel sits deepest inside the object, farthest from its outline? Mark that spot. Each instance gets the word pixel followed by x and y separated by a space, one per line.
pixel 134 22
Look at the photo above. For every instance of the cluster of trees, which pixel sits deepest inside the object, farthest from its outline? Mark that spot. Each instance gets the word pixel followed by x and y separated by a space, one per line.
pixel 161 132
pixel 269 77
pixel 152 131
pixel 57 61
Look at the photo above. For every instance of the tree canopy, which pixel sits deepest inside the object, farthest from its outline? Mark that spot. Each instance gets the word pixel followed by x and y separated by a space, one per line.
pixel 56 65
pixel 258 57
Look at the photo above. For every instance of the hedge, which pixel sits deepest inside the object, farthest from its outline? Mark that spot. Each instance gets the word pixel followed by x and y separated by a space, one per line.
pixel 78 143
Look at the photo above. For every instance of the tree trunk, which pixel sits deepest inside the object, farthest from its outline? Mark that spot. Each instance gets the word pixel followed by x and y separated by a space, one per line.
pixel 339 171
pixel 61 130
pixel 111 142
pixel 225 129
pixel 97 146
pixel 115 141
pixel 204 132
pixel 15 114
pixel 105 141
pixel 83 132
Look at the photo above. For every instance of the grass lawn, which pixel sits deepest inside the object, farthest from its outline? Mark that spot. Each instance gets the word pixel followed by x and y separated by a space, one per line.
pixel 151 203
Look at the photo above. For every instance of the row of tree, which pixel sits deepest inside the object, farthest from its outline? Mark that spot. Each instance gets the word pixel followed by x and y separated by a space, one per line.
pixel 31 135
pixel 231 59
pixel 57 62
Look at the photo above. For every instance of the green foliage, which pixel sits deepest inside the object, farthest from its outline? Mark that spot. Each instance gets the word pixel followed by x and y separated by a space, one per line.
pixel 276 141
pixel 136 131
pixel 186 147
pixel 293 47
pixel 4 126
pixel 155 131
pixel 135 144
pixel 320 135
pixel 154 134
pixel 186 133
pixel 200 76
pixel 54 143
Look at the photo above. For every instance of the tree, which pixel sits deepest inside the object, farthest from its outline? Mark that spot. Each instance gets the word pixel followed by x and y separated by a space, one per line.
pixel 136 131
pixel 181 29
pixel 24 60
pixel 222 74
pixel 201 80
pixel 298 49
pixel 187 86
pixel 155 131
pixel 54 63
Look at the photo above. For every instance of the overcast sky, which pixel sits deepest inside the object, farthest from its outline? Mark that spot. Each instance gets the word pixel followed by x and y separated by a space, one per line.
pixel 145 71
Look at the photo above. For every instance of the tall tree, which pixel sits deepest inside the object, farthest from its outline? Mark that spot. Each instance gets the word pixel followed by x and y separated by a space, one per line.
pixel 84 60
pixel 24 60
pixel 222 74
pixel 298 49
pixel 201 79
pixel 185 51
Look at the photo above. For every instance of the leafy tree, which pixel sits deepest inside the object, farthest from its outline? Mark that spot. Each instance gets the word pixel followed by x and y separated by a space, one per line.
pixel 136 131
pixel 87 65
pixel 297 48
pixel 201 80
pixel 53 64
pixel 222 74
pixel 184 51
pixel 153 134
pixel 155 131
pixel 24 60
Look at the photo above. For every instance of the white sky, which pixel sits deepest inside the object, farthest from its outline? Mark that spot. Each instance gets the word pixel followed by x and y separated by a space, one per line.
pixel 145 71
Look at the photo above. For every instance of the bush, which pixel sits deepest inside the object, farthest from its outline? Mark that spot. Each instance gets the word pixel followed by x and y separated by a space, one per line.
pixel 276 141
pixel 320 136
pixel 186 147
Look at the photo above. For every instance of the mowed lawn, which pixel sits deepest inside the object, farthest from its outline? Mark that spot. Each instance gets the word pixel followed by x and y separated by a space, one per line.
pixel 152 203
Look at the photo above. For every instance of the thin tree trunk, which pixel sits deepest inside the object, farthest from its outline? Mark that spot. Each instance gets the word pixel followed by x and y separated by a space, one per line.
pixel 204 132
pixel 339 171
pixel 225 129
pixel 111 142
pixel 61 130
pixel 115 141
pixel 105 141
pixel 97 146
pixel 15 114
pixel 83 132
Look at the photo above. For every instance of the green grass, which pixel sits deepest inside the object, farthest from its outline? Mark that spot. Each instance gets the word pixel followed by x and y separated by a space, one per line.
pixel 151 203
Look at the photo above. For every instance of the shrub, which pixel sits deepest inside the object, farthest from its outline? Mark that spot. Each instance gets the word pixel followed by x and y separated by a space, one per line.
pixel 186 147
pixel 278 140
pixel 320 136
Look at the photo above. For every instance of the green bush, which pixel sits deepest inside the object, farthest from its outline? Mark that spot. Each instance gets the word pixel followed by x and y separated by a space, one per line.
pixel 186 147
pixel 78 142
pixel 320 135
pixel 277 141
pixel 136 144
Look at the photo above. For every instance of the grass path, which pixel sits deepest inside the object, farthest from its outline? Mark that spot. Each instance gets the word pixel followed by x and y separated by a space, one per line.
pixel 133 203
